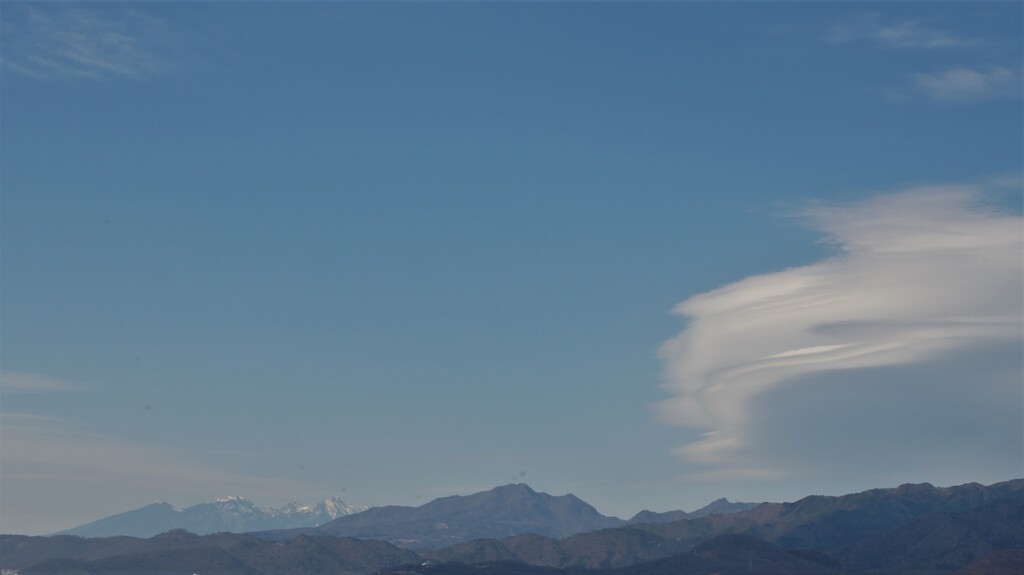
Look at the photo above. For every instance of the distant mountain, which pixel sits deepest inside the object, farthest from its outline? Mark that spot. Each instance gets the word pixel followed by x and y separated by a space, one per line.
pixel 722 505
pixel 234 514
pixel 985 538
pixel 829 523
pixel 736 554
pixel 647 516
pixel 912 529
pixel 501 512
pixel 605 548
pixel 939 540
pixel 814 524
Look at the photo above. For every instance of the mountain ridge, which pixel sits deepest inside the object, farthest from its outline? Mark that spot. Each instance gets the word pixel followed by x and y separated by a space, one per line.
pixel 721 505
pixel 503 511
pixel 914 528
pixel 231 513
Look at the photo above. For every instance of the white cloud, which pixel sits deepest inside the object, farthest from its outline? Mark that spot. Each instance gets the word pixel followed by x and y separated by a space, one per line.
pixel 894 34
pixel 903 351
pixel 969 85
pixel 19 382
pixel 71 41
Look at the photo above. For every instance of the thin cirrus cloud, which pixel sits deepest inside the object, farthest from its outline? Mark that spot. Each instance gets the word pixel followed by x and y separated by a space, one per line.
pixel 75 42
pixel 969 85
pixel 22 382
pixel 40 453
pixel 900 353
pixel 953 83
pixel 916 34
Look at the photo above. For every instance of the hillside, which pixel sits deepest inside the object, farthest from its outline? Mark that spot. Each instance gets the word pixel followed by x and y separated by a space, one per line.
pixel 912 529
pixel 234 514
pixel 500 512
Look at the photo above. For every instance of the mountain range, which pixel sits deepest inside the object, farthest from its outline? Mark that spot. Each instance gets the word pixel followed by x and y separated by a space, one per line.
pixel 503 511
pixel 912 529
pixel 722 505
pixel 500 512
pixel 234 514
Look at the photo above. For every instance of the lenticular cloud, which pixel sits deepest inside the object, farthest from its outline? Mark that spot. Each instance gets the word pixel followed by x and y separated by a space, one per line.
pixel 920 277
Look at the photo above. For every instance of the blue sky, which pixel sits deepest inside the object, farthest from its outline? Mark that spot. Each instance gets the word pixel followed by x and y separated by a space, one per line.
pixel 650 254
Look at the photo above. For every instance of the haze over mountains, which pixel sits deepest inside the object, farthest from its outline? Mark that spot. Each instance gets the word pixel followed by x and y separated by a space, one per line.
pixel 966 529
pixel 234 514
pixel 722 505
pixel 500 512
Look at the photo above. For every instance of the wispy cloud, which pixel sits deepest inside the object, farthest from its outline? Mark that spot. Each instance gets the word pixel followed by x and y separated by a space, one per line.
pixel 42 456
pixel 904 350
pixel 74 41
pixel 20 382
pixel 952 83
pixel 874 29
pixel 969 85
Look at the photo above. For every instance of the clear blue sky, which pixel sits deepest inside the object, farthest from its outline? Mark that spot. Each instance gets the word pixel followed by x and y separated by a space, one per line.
pixel 398 251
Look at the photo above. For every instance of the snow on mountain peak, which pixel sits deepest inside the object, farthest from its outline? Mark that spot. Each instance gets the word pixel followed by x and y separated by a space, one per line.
pixel 230 513
pixel 293 507
pixel 328 509
pixel 335 507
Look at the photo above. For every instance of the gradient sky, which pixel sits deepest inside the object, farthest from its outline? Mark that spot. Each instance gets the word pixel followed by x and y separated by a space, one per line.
pixel 649 254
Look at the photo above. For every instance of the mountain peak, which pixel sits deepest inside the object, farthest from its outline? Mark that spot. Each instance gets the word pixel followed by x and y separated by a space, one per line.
pixel 231 513
pixel 515 488
pixel 177 534
pixel 915 488
pixel 502 511
pixel 721 506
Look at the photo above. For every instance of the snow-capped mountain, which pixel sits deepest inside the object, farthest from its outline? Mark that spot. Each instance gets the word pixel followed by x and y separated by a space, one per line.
pixel 500 512
pixel 327 510
pixel 234 514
